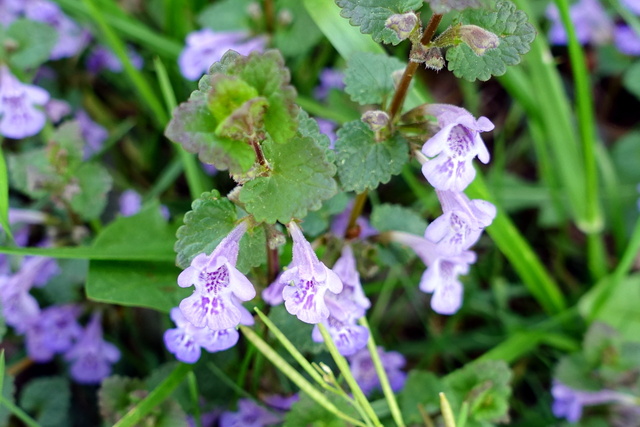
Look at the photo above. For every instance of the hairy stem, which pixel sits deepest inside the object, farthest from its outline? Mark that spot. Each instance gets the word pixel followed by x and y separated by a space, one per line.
pixel 412 67
pixel 258 150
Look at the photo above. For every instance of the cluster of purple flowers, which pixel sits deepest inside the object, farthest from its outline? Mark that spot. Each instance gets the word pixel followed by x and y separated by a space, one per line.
pixel 569 403
pixel 209 317
pixel 55 329
pixel 593 25
pixel 445 246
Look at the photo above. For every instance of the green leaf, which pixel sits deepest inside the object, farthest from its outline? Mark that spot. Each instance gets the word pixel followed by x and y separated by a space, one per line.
pixel 267 73
pixel 94 182
pixel 300 35
pixel 370 16
pixel 364 163
pixel 631 79
pixel 309 128
pixel 210 220
pixel 421 389
pixel 444 6
pixel 34 41
pixel 49 399
pixel 317 222
pixel 4 196
pixel 485 386
pixel 515 34
pixel 30 169
pixel 575 372
pixel 368 77
pixel 625 153
pixel 301 177
pixel 226 15
pixel 135 284
pixel 194 127
pixel 114 396
pixel 387 217
pixel 7 390
pixel 306 412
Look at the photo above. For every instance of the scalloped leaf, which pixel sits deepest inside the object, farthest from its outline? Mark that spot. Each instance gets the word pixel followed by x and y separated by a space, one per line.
pixel 301 177
pixel 364 163
pixel 443 6
pixel 388 217
pixel 34 42
pixel 512 28
pixel 209 221
pixel 370 16
pixel 368 77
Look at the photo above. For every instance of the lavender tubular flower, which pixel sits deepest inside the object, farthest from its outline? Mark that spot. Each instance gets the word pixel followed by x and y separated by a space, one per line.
pixel 569 403
pixel 329 79
pixel 461 223
pixel 249 414
pixel 93 134
pixel 216 281
pixel 102 58
pixel 310 280
pixel 20 118
pixel 365 373
pixel 205 47
pixel 91 357
pixel 626 40
pixel 53 332
pixel 10 11
pixel 453 147
pixel 590 21
pixel 632 5
pixel 130 203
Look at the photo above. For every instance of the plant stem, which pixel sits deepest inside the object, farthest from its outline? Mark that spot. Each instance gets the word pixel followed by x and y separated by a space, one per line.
pixel 258 150
pixel 358 205
pixel 269 16
pixel 412 67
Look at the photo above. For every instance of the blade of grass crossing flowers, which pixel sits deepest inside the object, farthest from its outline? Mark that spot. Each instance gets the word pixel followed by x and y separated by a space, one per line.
pixel 304 385
pixel 192 170
pixel 4 195
pixel 193 393
pixel 382 375
pixel 463 415
pixel 155 397
pixel 115 43
pixel 361 399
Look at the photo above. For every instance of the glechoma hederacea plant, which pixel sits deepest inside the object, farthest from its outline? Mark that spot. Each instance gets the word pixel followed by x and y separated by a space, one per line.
pixel 288 263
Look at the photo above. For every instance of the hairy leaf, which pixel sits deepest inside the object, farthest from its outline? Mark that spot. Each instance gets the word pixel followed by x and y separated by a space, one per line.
pixel 49 398
pixel 301 177
pixel 370 16
pixel 512 28
pixel 364 163
pixel 368 77
pixel 421 389
pixel 387 217
pixel 444 6
pixel 210 220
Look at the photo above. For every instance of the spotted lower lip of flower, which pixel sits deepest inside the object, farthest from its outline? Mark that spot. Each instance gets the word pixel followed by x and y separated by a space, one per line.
pixel 219 286
pixel 348 337
pixel 18 116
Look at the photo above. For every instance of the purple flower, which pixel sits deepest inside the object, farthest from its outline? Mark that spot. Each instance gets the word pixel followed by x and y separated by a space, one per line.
pixel 249 414
pixel 345 268
pixel 590 21
pixel 71 38
pixel 281 403
pixel 309 281
pixel 56 109
pixel 364 372
pixel 20 118
pixel 102 58
pixel 329 79
pixel 93 134
pixel 568 403
pixel 91 357
pixel 632 5
pixel 186 340
pixel 328 128
pixel 272 294
pixel 210 170
pixel 453 147
pixel 53 332
pixel 626 40
pixel 216 281
pixel 205 47
pixel 10 11
pixel 461 222
pixel 130 203
pixel 340 222
pixel 348 337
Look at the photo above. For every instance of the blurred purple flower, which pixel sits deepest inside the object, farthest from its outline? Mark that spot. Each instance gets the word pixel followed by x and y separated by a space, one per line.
pixel 19 308
pixel 626 40
pixel 249 414
pixel 56 109
pixel 568 403
pixel 340 222
pixel 272 294
pixel 210 170
pixel 53 332
pixel 102 58
pixel 130 203
pixel 281 403
pixel 590 21
pixel 204 47
pixel 310 279
pixel 71 37
pixel 348 336
pixel 91 356
pixel 632 5
pixel 328 128
pixel 216 282
pixel 364 372
pixel 453 147
pixel 94 135
pixel 329 79
pixel 20 118
pixel 461 222
pixel 10 10
pixel 186 340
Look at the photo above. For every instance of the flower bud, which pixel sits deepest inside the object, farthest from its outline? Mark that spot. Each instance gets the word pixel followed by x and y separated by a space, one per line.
pixel 434 59
pixel 402 24
pixel 376 119
pixel 477 38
